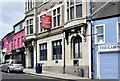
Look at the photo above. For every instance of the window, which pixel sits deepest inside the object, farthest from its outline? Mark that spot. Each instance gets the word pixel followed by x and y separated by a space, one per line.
pixel 15 43
pixel 56 17
pixel 18 42
pixel 99 38
pixel 57 49
pixel 29 4
pixel 41 29
pixel 29 26
pixel 118 32
pixel 22 40
pixel 12 44
pixel 43 51
pixel 76 47
pixel 74 9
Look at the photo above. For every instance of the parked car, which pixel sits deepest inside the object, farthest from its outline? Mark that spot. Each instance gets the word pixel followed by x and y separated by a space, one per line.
pixel 12 65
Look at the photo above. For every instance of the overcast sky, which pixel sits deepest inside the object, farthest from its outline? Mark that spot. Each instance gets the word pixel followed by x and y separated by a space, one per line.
pixel 11 12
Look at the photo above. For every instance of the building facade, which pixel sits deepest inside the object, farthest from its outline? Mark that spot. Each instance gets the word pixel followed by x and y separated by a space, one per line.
pixel 65 47
pixel 13 45
pixel 106 31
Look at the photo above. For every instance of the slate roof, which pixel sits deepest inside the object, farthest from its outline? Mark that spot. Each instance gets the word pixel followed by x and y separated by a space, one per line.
pixel 110 10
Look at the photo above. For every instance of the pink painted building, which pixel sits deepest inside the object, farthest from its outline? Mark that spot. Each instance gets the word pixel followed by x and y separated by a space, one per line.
pixel 13 43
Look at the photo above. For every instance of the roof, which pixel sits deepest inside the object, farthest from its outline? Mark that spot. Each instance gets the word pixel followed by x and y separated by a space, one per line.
pixel 111 9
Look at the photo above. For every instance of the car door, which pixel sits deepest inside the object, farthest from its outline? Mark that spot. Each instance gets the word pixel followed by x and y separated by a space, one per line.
pixel 6 65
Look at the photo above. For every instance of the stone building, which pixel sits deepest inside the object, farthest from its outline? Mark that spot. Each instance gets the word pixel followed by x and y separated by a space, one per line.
pixel 65 47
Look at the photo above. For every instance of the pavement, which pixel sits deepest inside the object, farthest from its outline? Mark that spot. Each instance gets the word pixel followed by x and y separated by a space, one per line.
pixel 53 74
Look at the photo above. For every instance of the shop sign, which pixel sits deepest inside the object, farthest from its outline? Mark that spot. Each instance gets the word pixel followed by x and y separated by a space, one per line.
pixel 111 47
pixel 46 21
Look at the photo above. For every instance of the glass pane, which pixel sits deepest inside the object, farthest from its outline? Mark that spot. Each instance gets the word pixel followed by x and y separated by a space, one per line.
pixel 58 43
pixel 54 43
pixel 54 21
pixel 78 1
pixel 40 26
pixel 100 30
pixel 76 50
pixel 72 13
pixel 27 29
pixel 71 2
pixel 67 4
pixel 119 36
pixel 41 47
pixel 58 10
pixel 100 38
pixel 67 14
pixel 31 21
pixel 58 19
pixel 119 27
pixel 40 18
pixel 27 22
pixel 78 11
pixel 54 12
pixel 31 29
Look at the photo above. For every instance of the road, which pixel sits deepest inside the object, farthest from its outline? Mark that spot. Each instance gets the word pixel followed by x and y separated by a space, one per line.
pixel 14 76
pixel 25 77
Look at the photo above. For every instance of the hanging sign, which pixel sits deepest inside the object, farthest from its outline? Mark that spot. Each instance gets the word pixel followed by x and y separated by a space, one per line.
pixel 46 21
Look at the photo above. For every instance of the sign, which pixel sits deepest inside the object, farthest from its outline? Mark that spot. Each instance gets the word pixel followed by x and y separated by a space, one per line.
pixel 107 48
pixel 46 21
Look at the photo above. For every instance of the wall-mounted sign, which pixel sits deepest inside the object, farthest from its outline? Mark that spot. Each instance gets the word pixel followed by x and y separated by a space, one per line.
pixel 46 21
pixel 107 48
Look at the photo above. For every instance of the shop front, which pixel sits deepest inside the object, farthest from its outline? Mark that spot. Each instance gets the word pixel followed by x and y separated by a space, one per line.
pixel 18 54
pixel 108 61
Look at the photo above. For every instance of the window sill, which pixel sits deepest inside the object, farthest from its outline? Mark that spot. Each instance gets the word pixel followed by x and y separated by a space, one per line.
pixel 77 58
pixel 100 43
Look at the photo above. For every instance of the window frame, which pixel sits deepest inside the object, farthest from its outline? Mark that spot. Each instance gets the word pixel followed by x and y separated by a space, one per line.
pixel 74 5
pixel 56 16
pixel 28 26
pixel 29 4
pixel 118 32
pixel 42 50
pixel 96 41
pixel 56 47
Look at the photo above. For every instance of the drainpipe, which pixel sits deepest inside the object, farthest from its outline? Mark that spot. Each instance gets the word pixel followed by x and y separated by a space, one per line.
pixel 64 53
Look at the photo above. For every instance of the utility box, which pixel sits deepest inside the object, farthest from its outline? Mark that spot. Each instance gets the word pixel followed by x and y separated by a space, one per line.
pixel 80 72
pixel 39 68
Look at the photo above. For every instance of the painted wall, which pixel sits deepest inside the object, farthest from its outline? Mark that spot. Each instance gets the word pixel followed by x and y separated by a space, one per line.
pixel 16 36
pixel 110 36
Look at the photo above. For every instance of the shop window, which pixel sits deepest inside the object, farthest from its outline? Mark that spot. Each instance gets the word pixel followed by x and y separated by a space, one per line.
pixel 43 52
pixel 99 37
pixel 57 49
pixel 74 9
pixel 56 17
pixel 76 47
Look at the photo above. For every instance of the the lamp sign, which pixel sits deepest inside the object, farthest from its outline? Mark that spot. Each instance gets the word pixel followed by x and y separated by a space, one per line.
pixel 46 21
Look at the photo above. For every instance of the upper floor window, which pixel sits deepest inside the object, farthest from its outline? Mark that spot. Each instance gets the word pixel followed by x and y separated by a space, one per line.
pixel 18 42
pixel 100 34
pixel 30 26
pixel 22 40
pixel 118 32
pixel 29 3
pixel 15 43
pixel 56 17
pixel 41 29
pixel 57 49
pixel 74 9
pixel 19 27
pixel 43 51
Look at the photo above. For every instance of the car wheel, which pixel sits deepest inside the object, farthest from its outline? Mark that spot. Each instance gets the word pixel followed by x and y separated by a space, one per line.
pixel 8 70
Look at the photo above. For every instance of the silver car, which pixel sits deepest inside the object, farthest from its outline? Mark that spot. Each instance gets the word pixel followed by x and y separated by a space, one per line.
pixel 12 65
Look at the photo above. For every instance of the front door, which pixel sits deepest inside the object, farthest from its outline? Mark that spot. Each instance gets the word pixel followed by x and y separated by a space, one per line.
pixel 32 58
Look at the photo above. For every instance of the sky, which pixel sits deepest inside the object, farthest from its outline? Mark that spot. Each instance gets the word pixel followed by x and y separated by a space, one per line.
pixel 11 12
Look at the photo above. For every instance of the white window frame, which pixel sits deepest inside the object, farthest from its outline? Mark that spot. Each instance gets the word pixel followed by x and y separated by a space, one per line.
pixel 118 32
pixel 96 33
pixel 29 3
pixel 57 16
pixel 43 30
pixel 28 25
pixel 74 5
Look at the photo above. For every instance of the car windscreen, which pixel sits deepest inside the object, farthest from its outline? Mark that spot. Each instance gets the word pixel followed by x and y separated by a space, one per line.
pixel 16 62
